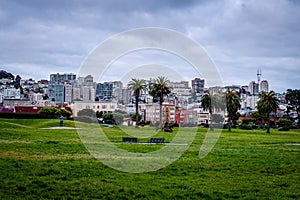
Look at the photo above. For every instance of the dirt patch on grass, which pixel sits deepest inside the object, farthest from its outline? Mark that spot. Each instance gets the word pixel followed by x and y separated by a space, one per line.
pixel 23 156
pixel 59 128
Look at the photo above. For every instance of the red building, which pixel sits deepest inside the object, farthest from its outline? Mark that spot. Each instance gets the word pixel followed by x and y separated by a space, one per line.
pixel 34 109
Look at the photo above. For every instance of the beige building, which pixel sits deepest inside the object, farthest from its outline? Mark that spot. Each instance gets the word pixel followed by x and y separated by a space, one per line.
pixel 95 106
pixel 150 112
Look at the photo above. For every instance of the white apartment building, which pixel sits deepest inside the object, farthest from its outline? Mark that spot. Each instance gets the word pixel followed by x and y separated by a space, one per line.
pixel 264 86
pixel 12 93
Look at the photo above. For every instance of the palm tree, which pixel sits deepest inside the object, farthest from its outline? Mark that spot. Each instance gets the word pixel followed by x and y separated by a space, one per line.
pixel 267 103
pixel 232 105
pixel 158 90
pixel 206 104
pixel 210 102
pixel 137 86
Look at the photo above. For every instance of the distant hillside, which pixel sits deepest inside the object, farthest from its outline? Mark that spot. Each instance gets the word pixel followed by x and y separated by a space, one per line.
pixel 4 74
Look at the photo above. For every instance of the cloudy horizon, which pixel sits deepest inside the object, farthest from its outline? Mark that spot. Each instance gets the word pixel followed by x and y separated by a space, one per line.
pixel 40 37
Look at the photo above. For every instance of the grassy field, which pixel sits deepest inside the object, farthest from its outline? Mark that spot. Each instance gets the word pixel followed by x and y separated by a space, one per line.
pixel 41 163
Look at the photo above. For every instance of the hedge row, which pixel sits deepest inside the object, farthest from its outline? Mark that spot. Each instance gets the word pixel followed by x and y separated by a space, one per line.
pixel 25 116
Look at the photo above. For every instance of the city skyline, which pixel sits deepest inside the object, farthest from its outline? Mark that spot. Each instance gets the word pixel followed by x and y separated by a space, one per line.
pixel 40 38
pixel 78 80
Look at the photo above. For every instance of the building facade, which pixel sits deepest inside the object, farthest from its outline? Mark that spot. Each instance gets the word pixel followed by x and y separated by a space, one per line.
pixel 264 86
pixel 198 86
pixel 66 77
pixel 95 106
pixel 104 91
pixel 253 88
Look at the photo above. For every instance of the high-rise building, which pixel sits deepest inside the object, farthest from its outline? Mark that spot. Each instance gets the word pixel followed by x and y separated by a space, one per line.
pixel 84 89
pixel 198 85
pixel 122 95
pixel 253 88
pixel 66 77
pixel 264 86
pixel 56 92
pixel 104 91
pixel 60 87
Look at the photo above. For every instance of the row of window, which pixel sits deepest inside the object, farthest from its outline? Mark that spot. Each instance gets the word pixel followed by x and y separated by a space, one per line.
pixel 95 107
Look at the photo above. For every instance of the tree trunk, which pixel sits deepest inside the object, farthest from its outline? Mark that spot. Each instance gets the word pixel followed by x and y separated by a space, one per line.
pixel 136 111
pixel 211 126
pixel 229 124
pixel 160 115
pixel 268 125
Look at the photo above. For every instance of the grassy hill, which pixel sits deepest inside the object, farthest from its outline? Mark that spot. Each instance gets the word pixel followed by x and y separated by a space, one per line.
pixel 39 163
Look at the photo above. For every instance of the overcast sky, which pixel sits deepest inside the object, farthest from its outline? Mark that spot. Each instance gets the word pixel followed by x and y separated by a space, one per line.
pixel 39 37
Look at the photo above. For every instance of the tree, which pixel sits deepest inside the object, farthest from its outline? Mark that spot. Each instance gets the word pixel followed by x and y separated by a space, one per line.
pixel 87 113
pixel 63 112
pixel 207 104
pixel 293 99
pixel 284 123
pixel 232 105
pixel 137 86
pixel 211 102
pixel 258 117
pixel 158 90
pixel 6 75
pixel 49 111
pixel 54 112
pixel 108 118
pixel 267 103
pixel 99 114
pixel 45 97
pixel 18 83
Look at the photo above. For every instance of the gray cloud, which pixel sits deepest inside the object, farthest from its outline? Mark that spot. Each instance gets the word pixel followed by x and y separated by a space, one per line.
pixel 39 37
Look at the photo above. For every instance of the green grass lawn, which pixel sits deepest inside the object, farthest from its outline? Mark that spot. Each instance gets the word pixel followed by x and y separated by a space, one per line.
pixel 41 163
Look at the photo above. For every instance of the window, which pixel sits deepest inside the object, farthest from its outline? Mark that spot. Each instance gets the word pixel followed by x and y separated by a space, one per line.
pixel 103 106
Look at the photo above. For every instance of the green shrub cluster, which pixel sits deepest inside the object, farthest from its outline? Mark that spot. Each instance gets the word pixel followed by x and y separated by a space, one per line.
pixel 54 112
pixel 284 124
pixel 26 116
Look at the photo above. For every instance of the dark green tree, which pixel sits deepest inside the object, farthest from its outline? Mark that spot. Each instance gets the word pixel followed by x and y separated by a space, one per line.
pixel 232 106
pixel 211 103
pixel 267 103
pixel 137 86
pixel 258 117
pixel 18 84
pixel 87 113
pixel 159 90
pixel 293 99
pixel 206 103
pixel 284 123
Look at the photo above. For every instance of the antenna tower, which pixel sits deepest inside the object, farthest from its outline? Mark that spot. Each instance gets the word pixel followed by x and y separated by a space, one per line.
pixel 258 75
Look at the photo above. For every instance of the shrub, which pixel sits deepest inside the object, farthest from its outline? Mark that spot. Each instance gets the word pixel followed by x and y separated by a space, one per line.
pixel 83 119
pixel 48 111
pixel 63 112
pixel 239 122
pixel 25 116
pixel 217 118
pixel 248 120
pixel 246 127
pixel 284 122
pixel 86 112
pixel 284 128
pixel 254 126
